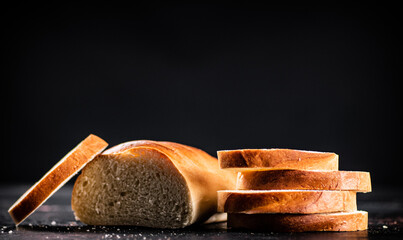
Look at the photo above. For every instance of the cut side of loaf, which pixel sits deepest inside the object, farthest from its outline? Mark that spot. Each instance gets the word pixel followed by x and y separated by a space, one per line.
pixel 150 184
pixel 352 221
pixel 286 201
pixel 271 159
pixel 304 180
pixel 56 177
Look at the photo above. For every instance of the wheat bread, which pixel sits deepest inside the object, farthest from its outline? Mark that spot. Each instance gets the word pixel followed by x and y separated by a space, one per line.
pixel 56 177
pixel 351 221
pixel 304 180
pixel 286 201
pixel 150 184
pixel 270 159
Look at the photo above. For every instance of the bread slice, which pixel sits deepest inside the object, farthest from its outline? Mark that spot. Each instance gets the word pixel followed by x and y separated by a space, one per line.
pixel 270 159
pixel 150 184
pixel 351 221
pixel 305 180
pixel 66 168
pixel 286 201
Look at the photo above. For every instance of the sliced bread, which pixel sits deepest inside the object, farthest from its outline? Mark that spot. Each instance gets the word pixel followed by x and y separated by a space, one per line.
pixel 56 177
pixel 286 201
pixel 269 159
pixel 306 180
pixel 150 184
pixel 351 221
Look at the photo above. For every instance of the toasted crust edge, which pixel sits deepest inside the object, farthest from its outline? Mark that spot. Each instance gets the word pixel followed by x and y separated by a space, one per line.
pixel 353 221
pixel 56 177
pixel 304 180
pixel 267 159
pixel 286 201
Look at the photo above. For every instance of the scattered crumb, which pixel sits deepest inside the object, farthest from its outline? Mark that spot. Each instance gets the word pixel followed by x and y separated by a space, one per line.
pixel 384 227
pixel 11 231
pixel 53 223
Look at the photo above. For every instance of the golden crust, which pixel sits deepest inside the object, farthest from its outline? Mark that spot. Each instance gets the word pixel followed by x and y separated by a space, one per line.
pixel 69 165
pixel 286 201
pixel 353 221
pixel 304 180
pixel 267 159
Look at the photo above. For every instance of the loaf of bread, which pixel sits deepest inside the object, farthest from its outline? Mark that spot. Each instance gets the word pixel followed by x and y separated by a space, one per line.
pixel 150 184
pixel 350 221
pixel 304 180
pixel 269 159
pixel 56 177
pixel 286 201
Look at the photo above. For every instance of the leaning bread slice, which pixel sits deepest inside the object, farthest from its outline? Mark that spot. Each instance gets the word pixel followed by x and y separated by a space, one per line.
pixel 304 180
pixel 286 201
pixel 66 168
pixel 269 159
pixel 149 184
pixel 351 221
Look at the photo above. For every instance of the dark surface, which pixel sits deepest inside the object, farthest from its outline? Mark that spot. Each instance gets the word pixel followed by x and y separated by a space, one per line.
pixel 55 220
pixel 322 77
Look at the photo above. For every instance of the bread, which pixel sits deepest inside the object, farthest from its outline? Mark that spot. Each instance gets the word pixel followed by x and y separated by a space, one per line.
pixel 308 180
pixel 286 201
pixel 270 159
pixel 150 184
pixel 352 221
pixel 56 177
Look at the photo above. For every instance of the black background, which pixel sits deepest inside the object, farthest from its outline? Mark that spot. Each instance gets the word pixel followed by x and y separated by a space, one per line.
pixel 214 76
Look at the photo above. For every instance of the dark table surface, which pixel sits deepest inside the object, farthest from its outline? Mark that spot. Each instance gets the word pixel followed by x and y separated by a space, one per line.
pixel 55 220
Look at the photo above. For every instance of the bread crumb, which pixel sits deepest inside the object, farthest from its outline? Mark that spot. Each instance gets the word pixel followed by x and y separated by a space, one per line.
pixel 11 231
pixel 384 227
pixel 53 223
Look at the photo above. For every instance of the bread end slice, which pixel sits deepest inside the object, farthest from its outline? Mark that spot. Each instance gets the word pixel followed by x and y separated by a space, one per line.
pixel 56 177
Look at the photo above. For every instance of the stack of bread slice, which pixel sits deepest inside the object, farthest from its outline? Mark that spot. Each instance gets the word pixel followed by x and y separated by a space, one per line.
pixel 284 190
